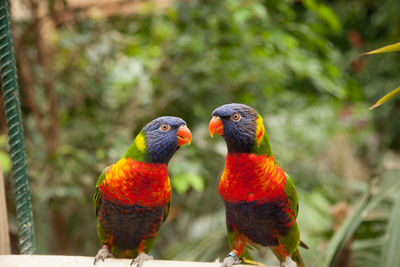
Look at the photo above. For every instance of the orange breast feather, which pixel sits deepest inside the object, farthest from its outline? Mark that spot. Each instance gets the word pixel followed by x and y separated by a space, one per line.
pixel 248 177
pixel 137 183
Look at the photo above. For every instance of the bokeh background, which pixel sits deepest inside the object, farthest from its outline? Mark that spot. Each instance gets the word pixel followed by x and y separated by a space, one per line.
pixel 92 73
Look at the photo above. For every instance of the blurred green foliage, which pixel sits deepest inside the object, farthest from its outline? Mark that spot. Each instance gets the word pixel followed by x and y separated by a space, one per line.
pixel 5 161
pixel 294 61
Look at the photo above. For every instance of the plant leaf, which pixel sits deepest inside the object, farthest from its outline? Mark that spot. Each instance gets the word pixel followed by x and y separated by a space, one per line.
pixel 370 200
pixel 385 49
pixel 385 98
pixel 391 255
pixel 346 230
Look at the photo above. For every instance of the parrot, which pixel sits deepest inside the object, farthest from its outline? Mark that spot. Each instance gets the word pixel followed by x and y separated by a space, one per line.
pixel 133 196
pixel 260 199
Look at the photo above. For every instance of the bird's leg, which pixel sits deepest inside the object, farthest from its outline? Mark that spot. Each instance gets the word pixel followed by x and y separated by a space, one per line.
pixel 288 262
pixel 102 254
pixel 230 259
pixel 141 258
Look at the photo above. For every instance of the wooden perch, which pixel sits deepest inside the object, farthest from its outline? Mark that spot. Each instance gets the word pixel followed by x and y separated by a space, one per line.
pixel 78 261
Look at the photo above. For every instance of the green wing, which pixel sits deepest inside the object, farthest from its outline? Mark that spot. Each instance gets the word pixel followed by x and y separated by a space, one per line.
pixel 97 194
pixel 292 195
pixel 290 191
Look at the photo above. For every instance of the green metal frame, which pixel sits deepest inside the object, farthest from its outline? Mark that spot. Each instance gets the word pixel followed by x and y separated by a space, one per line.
pixel 9 83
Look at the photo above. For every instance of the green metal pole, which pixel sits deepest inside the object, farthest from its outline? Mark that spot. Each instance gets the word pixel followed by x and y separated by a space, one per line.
pixel 16 133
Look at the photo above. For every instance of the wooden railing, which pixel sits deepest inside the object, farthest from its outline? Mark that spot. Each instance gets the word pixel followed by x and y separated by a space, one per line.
pixel 79 261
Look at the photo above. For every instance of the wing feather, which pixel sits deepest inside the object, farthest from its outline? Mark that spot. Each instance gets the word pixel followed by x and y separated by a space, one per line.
pixel 97 196
pixel 291 193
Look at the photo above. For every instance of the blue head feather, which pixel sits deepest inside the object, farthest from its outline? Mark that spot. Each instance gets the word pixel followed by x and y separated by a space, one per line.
pixel 239 135
pixel 161 145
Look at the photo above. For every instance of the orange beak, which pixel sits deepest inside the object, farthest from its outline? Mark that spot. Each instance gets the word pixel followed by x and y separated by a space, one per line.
pixel 184 135
pixel 216 126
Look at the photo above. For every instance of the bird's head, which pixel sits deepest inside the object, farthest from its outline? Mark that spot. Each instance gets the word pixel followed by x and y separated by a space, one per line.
pixel 242 128
pixel 161 138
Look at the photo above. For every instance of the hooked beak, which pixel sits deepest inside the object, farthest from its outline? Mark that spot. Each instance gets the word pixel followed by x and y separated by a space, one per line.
pixel 216 126
pixel 184 135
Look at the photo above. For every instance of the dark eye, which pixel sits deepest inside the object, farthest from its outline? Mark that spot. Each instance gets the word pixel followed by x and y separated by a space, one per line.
pixel 165 127
pixel 236 117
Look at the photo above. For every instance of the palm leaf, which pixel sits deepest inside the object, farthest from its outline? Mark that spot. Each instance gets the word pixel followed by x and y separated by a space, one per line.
pixel 369 201
pixel 385 98
pixel 391 255
pixel 385 49
pixel 347 229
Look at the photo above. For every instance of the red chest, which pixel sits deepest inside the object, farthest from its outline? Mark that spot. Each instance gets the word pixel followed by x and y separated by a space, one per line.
pixel 137 183
pixel 248 177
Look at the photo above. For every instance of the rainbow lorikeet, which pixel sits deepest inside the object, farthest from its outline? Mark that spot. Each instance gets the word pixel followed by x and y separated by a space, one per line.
pixel 132 197
pixel 260 198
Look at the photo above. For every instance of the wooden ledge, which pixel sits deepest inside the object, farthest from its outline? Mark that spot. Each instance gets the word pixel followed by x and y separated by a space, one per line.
pixel 79 261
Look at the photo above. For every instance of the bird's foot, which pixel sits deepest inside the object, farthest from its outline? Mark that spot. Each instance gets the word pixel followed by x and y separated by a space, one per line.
pixel 231 259
pixel 102 254
pixel 288 262
pixel 141 258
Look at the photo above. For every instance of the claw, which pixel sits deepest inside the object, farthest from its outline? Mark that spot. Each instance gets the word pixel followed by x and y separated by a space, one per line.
pixel 102 254
pixel 288 262
pixel 228 262
pixel 230 259
pixel 141 258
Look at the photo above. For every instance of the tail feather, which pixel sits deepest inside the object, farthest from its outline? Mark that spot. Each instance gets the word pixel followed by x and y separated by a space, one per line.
pixel 297 258
pixel 303 245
